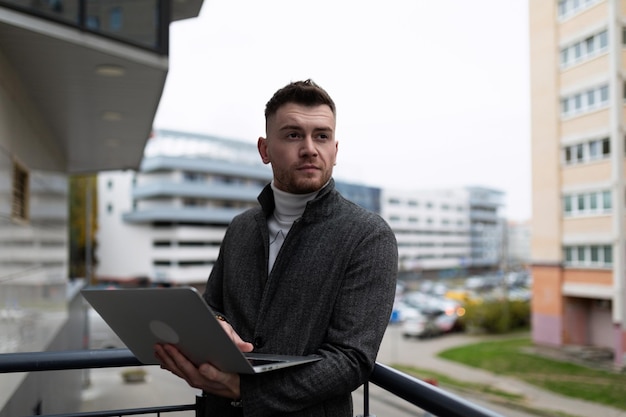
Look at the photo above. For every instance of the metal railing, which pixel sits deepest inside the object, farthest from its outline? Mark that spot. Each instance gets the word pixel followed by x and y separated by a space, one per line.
pixel 419 393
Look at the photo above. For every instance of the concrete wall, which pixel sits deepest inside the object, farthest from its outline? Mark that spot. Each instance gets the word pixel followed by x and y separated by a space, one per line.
pixel 53 392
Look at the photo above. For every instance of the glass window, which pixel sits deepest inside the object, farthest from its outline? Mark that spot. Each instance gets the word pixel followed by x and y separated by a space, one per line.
pixel 567 202
pixel 608 254
pixel 606 147
pixel 578 102
pixel 578 50
pixel 568 254
pixel 564 56
pixel 593 201
pixel 581 202
pixel 579 152
pixel 115 19
pixel 604 94
pixel 591 98
pixel 594 149
pixel 568 155
pixel 580 253
pixel 595 254
pixel 135 21
pixel 93 22
pixel 606 200
pixel 604 41
pixel 564 106
pixel 589 44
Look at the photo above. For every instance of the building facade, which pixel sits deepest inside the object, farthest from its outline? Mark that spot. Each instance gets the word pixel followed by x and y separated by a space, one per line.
pixel 65 108
pixel 446 233
pixel 174 211
pixel 164 223
pixel 518 234
pixel 577 112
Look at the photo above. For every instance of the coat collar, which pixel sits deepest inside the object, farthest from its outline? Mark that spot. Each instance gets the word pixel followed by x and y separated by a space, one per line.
pixel 318 206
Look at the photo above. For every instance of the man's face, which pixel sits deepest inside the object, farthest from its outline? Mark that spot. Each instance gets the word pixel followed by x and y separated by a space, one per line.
pixel 301 147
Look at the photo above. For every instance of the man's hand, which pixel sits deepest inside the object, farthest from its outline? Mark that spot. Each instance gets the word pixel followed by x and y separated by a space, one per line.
pixel 205 377
pixel 243 346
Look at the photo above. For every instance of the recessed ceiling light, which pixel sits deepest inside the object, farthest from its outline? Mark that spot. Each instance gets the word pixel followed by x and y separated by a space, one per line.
pixel 110 70
pixel 112 116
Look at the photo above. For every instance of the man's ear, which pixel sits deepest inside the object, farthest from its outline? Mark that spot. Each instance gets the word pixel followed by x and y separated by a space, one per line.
pixel 262 147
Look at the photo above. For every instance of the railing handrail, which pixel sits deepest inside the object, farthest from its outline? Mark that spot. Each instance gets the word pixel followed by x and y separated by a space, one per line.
pixel 417 392
pixel 425 395
pixel 66 359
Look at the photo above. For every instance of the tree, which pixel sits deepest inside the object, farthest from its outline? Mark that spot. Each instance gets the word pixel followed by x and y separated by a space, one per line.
pixel 83 216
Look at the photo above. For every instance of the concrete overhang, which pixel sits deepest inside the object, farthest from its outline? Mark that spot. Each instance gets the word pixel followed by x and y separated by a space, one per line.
pixel 97 96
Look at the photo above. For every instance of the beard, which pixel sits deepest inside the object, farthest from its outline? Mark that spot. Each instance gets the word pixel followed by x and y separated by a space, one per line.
pixel 296 182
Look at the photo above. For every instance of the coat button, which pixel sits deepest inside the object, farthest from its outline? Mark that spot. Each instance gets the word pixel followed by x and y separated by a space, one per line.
pixel 258 342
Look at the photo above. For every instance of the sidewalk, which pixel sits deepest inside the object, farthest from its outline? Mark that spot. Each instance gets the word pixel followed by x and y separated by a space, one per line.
pixel 423 354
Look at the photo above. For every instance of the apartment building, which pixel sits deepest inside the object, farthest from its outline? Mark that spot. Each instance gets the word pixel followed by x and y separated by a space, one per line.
pixel 577 112
pixel 80 82
pixel 444 233
pixel 165 222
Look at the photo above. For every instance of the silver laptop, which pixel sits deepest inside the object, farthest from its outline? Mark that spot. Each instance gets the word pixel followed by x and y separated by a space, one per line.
pixel 143 317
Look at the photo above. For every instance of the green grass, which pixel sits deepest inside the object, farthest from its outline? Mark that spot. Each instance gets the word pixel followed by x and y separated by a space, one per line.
pixel 446 380
pixel 507 357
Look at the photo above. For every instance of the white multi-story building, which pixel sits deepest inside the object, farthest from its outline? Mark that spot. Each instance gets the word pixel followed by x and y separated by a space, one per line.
pixel 445 232
pixel 165 223
pixel 518 235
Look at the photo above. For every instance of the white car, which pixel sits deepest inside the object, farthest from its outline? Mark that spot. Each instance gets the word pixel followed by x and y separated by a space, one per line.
pixel 420 325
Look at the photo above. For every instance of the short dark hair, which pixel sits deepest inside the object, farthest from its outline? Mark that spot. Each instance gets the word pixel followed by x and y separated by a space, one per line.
pixel 306 93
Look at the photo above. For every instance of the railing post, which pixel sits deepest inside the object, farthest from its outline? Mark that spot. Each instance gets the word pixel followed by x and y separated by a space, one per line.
pixel 366 401
pixel 200 405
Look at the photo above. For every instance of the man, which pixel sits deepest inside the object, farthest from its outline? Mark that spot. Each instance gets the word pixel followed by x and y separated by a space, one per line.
pixel 307 272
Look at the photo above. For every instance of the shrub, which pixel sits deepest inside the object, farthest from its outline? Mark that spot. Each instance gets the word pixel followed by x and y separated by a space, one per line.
pixel 497 316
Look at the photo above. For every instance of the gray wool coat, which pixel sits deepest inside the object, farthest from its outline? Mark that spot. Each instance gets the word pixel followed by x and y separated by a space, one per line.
pixel 330 293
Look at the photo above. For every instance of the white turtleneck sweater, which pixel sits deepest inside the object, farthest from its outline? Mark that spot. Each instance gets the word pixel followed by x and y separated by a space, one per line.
pixel 288 208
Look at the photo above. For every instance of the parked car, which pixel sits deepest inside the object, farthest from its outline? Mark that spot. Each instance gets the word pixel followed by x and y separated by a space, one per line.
pixel 402 312
pixel 420 325
pixel 443 312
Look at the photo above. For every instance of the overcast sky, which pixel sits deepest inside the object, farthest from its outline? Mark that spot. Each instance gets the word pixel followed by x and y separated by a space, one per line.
pixel 429 94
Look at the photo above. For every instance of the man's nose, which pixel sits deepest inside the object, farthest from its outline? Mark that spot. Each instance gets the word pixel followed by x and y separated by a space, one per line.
pixel 308 147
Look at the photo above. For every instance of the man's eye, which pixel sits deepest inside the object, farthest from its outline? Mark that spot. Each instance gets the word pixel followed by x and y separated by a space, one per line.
pixel 293 135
